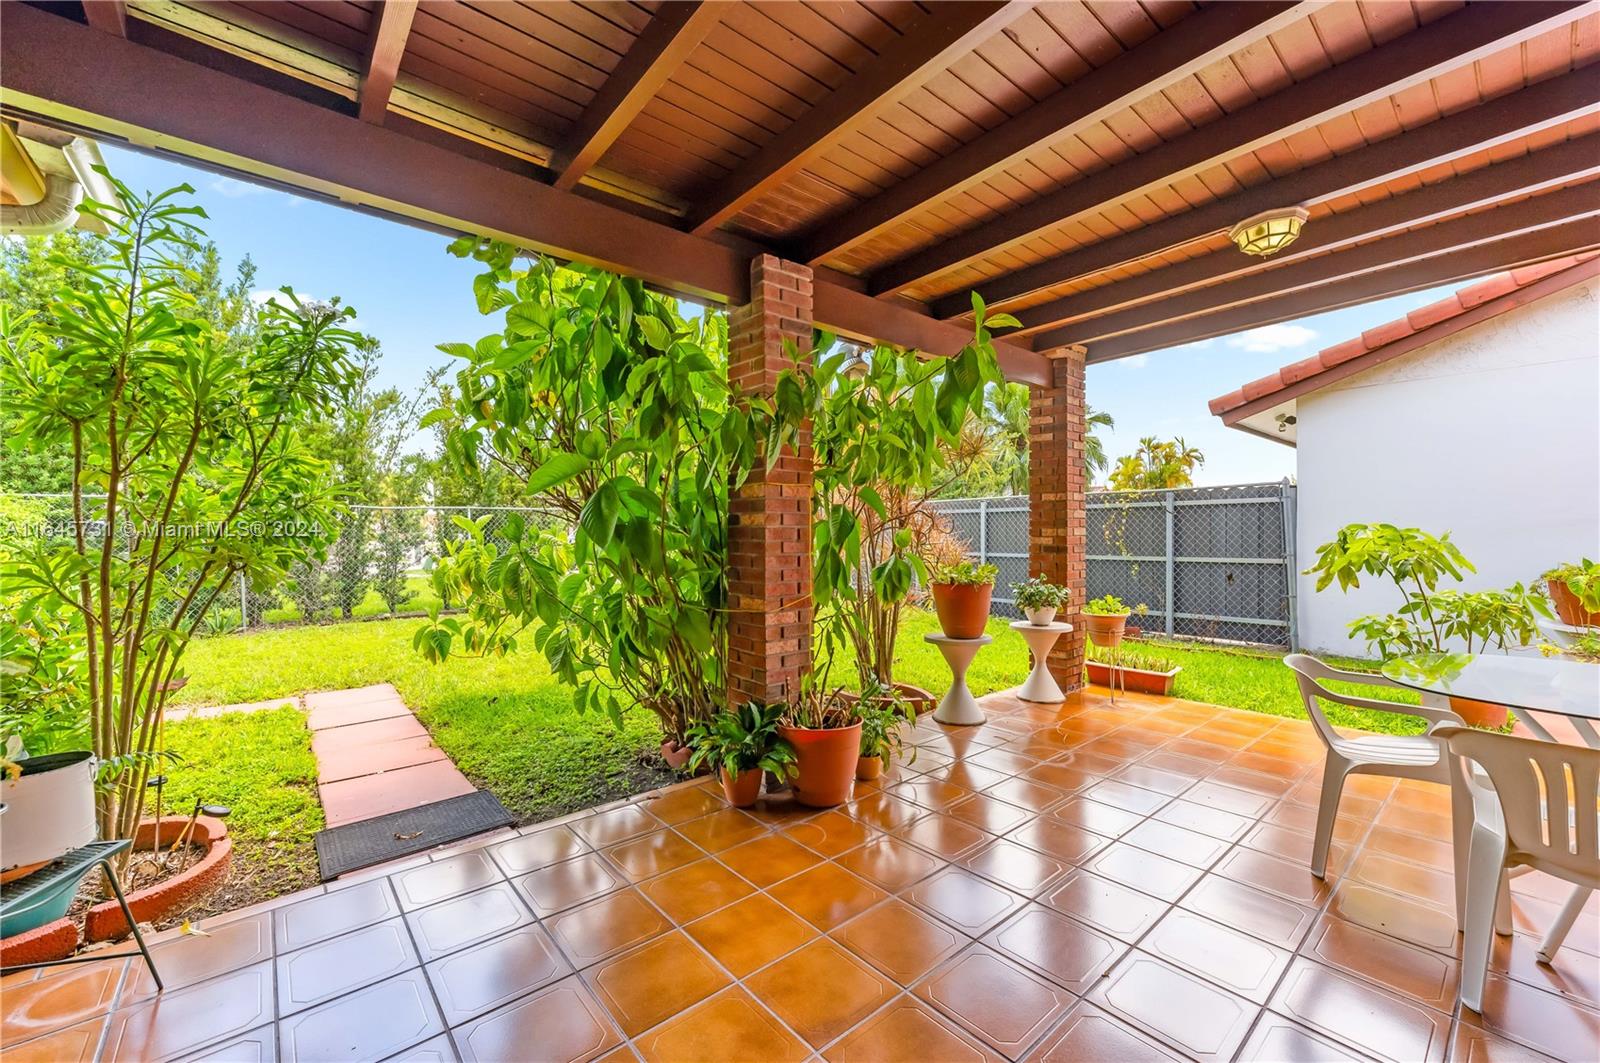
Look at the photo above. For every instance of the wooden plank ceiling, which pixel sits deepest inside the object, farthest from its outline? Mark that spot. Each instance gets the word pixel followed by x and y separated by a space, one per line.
pixel 1077 164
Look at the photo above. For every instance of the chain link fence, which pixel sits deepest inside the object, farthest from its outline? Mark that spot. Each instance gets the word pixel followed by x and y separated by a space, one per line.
pixel 1209 563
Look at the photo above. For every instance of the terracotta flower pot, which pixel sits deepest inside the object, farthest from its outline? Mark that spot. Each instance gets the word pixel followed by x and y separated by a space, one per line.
pixel 826 760
pixel 1105 631
pixel 1480 713
pixel 674 754
pixel 1136 679
pixel 1132 631
pixel 868 768
pixel 1569 608
pixel 743 790
pixel 963 608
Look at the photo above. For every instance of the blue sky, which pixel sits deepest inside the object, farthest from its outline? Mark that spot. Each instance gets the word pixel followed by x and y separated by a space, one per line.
pixel 411 295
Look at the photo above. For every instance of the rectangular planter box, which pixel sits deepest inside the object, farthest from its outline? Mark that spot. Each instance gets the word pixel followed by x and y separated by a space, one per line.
pixel 1133 678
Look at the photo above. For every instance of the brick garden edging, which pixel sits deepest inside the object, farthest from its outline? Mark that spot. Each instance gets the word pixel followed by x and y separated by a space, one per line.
pixel 53 941
pixel 105 921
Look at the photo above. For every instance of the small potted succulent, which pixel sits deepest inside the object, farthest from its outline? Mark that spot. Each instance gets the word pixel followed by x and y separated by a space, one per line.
pixel 740 745
pixel 1039 599
pixel 1105 617
pixel 1575 592
pixel 885 715
pixel 961 593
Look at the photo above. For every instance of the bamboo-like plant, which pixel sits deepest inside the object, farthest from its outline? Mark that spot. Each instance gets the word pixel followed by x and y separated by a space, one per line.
pixel 188 469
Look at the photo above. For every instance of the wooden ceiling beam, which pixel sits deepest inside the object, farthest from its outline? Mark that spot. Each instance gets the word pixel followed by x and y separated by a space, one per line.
pixel 1573 161
pixel 936 39
pixel 108 16
pixel 386 46
pixel 1578 204
pixel 186 109
pixel 1413 59
pixel 1541 245
pixel 676 30
pixel 1519 114
pixel 1166 58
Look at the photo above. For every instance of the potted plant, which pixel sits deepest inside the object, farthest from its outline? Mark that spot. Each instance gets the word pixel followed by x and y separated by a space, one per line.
pixel 1105 617
pixel 740 745
pixel 1039 599
pixel 1575 592
pixel 961 593
pixel 1134 669
pixel 824 728
pixel 885 715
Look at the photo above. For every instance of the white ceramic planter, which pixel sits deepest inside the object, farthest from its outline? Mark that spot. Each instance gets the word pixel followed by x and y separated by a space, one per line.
pixel 1043 616
pixel 49 809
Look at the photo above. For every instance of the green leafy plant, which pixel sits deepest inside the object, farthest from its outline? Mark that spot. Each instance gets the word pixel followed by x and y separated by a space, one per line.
pixel 1039 593
pixel 886 717
pixel 190 468
pixel 1130 655
pixel 1106 605
pixel 1582 578
pixel 1157 464
pixel 965 574
pixel 740 740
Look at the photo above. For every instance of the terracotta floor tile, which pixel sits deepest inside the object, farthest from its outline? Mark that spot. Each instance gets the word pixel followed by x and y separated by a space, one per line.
pixel 1178 1009
pixel 433 882
pixel 530 852
pixel 1104 904
pixel 966 774
pixel 184 1020
pixel 1016 866
pixel 931 793
pixel 335 967
pixel 1177 843
pixel 1067 952
pixel 1347 828
pixel 821 990
pixel 330 914
pixel 830 834
pixel 1035 797
pixel 655 981
pixel 1000 1002
pixel 1294 882
pixel 1434 852
pixel 1232 959
pixel 826 895
pixel 1544 1021
pixel 1203 819
pixel 1002 760
pixel 730 1026
pixel 1470 1044
pixel 721 830
pixel 1108 821
pixel 1214 794
pixel 64 998
pixel 1272 919
pixel 1362 1016
pixel 989 814
pixel 605 927
pixel 676 806
pixel 1069 778
pixel 968 902
pixel 570 883
pixel 769 859
pixel 890 863
pixel 908 1031
pixel 353 800
pixel 881 810
pixel 454 924
pixel 1144 775
pixel 1276 1039
pixel 1054 837
pixel 615 825
pixel 1405 878
pixel 75 1044
pixel 1143 871
pixel 559 1024
pixel 1087 1033
pixel 332 742
pixel 1128 798
pixel 653 854
pixel 1574 974
pixel 944 836
pixel 899 940
pixel 476 980
pixel 749 934
pixel 1425 976
pixel 433 1050
pixel 694 890
pixel 1388 913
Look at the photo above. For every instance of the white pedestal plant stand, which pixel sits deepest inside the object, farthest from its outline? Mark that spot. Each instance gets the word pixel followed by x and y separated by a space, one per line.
pixel 958 705
pixel 1041 685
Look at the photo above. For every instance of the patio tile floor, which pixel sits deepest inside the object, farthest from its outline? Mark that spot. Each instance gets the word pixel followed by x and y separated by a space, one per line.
pixel 1060 884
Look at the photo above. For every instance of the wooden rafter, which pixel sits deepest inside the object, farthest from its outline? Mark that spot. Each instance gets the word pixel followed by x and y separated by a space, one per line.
pixel 1567 163
pixel 1549 103
pixel 109 16
pixel 391 25
pixel 1413 59
pixel 676 30
pixel 1163 60
pixel 948 30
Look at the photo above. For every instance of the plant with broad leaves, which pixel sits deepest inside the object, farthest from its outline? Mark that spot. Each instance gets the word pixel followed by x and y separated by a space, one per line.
pixel 189 467
pixel 740 740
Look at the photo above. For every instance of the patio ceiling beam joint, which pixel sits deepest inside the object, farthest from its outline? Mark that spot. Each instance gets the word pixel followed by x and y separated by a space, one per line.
pixel 109 16
pixel 386 46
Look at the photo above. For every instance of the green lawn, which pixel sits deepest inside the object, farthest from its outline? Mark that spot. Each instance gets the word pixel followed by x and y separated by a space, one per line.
pixel 419 587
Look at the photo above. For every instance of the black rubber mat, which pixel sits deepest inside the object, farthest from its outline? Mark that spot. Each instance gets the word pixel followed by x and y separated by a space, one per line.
pixel 354 846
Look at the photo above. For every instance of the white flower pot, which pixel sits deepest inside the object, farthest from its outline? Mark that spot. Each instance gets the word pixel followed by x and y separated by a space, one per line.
pixel 49 809
pixel 1042 616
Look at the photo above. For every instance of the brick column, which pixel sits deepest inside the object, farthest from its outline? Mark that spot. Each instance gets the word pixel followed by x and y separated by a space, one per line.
pixel 769 518
pixel 1057 520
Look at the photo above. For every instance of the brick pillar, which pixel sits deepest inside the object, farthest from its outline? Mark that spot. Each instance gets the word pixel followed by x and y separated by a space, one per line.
pixel 1057 521
pixel 769 518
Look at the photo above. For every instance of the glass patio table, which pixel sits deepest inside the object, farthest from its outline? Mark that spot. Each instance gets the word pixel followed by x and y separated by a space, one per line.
pixel 1523 684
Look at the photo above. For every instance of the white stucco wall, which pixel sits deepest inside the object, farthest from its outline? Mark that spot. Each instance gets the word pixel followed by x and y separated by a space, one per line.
pixel 1492 435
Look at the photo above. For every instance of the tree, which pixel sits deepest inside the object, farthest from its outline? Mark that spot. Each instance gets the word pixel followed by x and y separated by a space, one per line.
pixel 993 455
pixel 1157 464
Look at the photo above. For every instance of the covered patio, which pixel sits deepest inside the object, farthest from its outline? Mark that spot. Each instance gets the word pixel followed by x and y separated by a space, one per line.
pixel 1060 883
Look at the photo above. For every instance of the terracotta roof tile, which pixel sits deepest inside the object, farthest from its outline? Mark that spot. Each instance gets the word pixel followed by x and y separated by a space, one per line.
pixel 1420 320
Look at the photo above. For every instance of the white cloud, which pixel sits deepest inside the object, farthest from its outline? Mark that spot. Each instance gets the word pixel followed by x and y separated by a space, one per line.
pixel 1270 338
pixel 1137 361
pixel 234 188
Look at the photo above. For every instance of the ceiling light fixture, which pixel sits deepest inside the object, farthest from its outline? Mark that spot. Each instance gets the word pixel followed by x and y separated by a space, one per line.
pixel 1270 231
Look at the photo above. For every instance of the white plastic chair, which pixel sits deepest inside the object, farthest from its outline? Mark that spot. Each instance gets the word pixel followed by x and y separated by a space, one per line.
pixel 1400 756
pixel 1541 809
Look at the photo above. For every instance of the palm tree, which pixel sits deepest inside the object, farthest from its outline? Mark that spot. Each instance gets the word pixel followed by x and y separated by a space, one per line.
pixel 1008 416
pixel 1094 450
